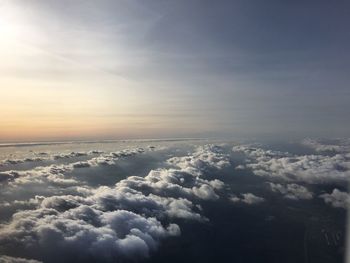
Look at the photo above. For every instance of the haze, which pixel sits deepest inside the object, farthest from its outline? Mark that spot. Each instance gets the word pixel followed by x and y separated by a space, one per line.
pixel 151 69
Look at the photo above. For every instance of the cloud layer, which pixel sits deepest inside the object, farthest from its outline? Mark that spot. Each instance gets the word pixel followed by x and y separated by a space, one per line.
pixel 78 220
pixel 110 224
pixel 55 173
pixel 332 146
pixel 298 168
pixel 45 156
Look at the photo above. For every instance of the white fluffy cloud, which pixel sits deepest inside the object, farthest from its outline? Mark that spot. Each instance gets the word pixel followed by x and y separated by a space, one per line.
pixel 304 168
pixel 337 199
pixel 86 230
pixel 52 174
pixel 205 157
pixel 247 198
pixel 55 173
pixel 124 221
pixel 292 191
pixel 335 145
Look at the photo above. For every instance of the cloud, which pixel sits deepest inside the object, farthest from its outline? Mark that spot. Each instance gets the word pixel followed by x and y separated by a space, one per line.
pixel 5 204
pixel 126 221
pixel 303 168
pixel 205 192
pixel 292 191
pixel 21 204
pixel 108 158
pixel 337 199
pixel 44 156
pixel 323 146
pixel 18 161
pixel 88 232
pixel 55 173
pixel 207 156
pixel 247 198
pixel 240 167
pixel 44 174
pixel 69 155
pixel 7 259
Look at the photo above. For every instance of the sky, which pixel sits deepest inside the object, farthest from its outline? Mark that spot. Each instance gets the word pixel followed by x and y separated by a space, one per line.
pixel 154 69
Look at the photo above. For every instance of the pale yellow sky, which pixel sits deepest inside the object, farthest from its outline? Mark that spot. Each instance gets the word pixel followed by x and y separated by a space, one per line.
pixel 46 93
pixel 60 80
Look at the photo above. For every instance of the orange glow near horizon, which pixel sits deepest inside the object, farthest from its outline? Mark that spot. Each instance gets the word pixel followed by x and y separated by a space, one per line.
pixel 47 95
pixel 64 80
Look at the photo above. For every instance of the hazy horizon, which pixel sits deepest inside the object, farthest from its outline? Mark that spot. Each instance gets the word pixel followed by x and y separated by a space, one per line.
pixel 194 131
pixel 134 69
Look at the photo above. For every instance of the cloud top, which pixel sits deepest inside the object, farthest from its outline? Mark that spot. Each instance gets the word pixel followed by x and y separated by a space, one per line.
pixel 296 168
pixel 125 221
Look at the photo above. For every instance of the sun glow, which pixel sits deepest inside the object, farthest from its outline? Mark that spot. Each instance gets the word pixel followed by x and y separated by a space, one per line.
pixel 47 90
